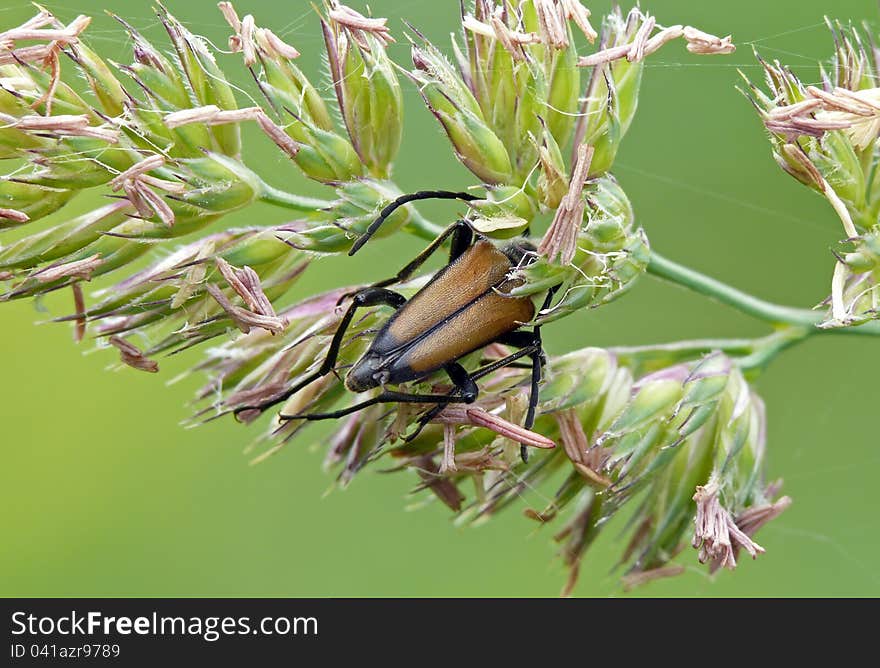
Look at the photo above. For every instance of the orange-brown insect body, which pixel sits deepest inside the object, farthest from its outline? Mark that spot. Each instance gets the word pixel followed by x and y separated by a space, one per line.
pixel 463 308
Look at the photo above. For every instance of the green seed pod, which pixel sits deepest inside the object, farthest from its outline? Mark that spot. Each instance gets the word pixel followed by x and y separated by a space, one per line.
pixel 13 104
pixel 369 95
pixel 168 304
pixel 708 379
pixel 475 63
pixel 506 212
pixel 512 108
pixel 612 95
pixel 32 86
pixel 32 200
pixel 15 143
pixel 855 287
pixel 327 157
pixel 287 87
pixel 654 397
pixel 577 378
pixel 826 137
pixel 476 145
pixel 206 81
pixel 322 239
pixel 79 163
pixel 162 83
pixel 564 90
pixel 65 238
pixel 822 137
pixel 322 153
pixel 671 511
pixel 520 83
pixel 157 75
pixel 609 257
pixel 219 184
pixel 357 205
pixel 552 179
pixel 839 163
pixel 596 277
pixel 740 441
pixel 104 85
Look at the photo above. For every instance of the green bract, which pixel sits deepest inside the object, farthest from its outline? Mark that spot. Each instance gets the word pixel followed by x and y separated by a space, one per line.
pixel 612 94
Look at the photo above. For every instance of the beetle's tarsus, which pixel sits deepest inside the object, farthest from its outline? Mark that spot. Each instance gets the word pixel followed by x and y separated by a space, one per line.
pixel 367 297
pixel 536 353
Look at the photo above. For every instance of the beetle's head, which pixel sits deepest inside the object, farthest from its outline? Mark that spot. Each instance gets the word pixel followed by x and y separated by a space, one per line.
pixel 521 254
pixel 366 374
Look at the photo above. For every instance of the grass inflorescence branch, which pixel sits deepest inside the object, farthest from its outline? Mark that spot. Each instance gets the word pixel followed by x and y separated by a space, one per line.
pixel 810 321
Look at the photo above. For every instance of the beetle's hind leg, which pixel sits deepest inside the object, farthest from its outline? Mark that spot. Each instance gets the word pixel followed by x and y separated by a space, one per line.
pixel 530 345
pixel 371 296
pixel 538 361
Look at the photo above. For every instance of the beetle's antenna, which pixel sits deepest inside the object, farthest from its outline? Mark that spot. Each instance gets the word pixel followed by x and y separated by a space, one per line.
pixel 401 201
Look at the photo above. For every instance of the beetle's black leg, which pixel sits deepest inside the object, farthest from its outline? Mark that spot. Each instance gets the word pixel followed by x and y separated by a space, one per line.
pixel 465 384
pixel 530 343
pixel 520 339
pixel 401 201
pixel 366 297
pixel 524 351
pixel 519 365
pixel 386 397
pixel 465 387
pixel 466 392
pixel 537 356
pixel 537 370
pixel 462 236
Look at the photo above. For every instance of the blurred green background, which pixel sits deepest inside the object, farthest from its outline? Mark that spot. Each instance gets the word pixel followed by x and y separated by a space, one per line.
pixel 102 493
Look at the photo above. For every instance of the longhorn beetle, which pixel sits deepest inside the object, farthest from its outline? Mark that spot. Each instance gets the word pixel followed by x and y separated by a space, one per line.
pixel 463 308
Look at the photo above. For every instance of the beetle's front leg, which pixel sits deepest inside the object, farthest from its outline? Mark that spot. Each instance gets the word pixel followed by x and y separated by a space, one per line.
pixel 466 392
pixel 538 361
pixel 367 297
